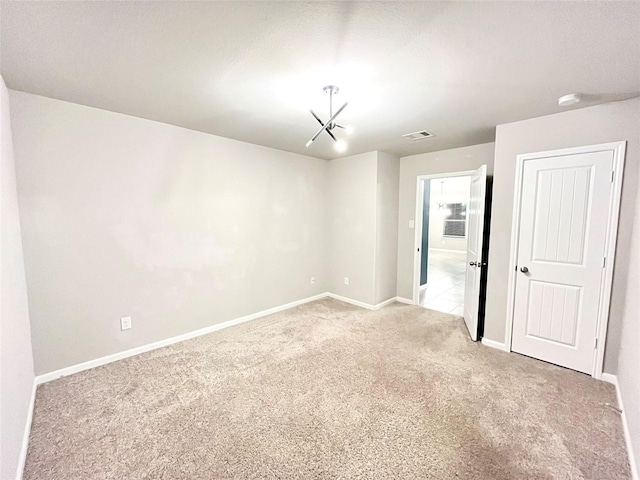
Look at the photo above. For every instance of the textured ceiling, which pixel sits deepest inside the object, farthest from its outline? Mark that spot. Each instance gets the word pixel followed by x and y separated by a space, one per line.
pixel 251 70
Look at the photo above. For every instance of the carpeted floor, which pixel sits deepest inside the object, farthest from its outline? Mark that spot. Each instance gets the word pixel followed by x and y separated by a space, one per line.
pixel 328 390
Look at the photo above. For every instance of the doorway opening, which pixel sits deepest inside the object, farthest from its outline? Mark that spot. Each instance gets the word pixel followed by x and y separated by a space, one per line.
pixel 457 219
pixel 444 243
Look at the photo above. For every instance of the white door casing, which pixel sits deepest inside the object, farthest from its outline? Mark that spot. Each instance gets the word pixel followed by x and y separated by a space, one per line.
pixel 566 207
pixel 475 262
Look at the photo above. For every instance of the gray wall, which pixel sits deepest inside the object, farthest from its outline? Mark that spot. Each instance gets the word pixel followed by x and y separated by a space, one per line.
pixel 586 126
pixel 445 161
pixel 352 225
pixel 176 228
pixel 16 360
pixel 386 226
pixel 363 219
pixel 629 354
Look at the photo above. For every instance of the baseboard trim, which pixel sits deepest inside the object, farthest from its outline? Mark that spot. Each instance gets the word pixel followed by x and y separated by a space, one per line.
pixel 494 344
pixel 609 378
pixel 385 303
pixel 63 372
pixel 358 303
pixel 27 433
pixel 408 301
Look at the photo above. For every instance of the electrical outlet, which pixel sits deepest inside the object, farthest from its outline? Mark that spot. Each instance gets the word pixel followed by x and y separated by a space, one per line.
pixel 313 280
pixel 125 323
pixel 346 280
pixel 412 224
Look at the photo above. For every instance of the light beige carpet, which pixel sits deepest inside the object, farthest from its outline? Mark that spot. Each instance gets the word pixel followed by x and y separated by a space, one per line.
pixel 328 390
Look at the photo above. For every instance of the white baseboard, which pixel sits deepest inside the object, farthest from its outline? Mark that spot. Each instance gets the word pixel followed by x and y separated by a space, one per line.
pixel 609 378
pixel 385 303
pixel 63 372
pixel 494 344
pixel 358 303
pixel 27 432
pixel 408 301
pixel 47 377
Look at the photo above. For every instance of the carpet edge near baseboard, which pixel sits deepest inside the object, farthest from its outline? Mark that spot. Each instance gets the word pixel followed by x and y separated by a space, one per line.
pixel 613 379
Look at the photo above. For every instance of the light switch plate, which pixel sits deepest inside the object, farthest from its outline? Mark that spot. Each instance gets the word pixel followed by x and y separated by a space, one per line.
pixel 125 323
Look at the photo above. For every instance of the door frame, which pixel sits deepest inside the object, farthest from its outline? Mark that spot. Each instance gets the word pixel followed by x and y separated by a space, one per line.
pixel 618 149
pixel 417 238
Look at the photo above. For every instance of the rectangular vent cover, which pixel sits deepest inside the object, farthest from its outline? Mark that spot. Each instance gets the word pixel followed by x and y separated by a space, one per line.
pixel 418 135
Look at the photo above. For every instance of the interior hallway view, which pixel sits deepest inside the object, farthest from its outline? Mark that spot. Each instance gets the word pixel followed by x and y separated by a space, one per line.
pixel 444 290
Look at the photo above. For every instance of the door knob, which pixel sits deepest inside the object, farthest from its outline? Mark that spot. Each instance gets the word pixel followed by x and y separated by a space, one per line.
pixel 524 269
pixel 473 264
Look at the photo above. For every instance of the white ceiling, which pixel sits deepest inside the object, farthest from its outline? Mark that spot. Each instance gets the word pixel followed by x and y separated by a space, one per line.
pixel 251 70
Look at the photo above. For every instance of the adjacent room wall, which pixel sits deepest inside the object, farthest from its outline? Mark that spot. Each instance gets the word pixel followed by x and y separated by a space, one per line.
pixel 352 226
pixel 386 226
pixel 457 190
pixel 629 353
pixel 426 220
pixel 446 161
pixel 586 126
pixel 178 229
pixel 16 360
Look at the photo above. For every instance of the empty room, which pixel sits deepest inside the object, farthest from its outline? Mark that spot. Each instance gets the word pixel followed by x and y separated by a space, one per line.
pixel 305 239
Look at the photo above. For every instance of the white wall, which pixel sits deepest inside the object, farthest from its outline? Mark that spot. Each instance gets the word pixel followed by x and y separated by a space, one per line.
pixel 176 228
pixel 445 161
pixel 16 360
pixel 586 126
pixel 386 226
pixel 629 354
pixel 352 225
pixel 456 190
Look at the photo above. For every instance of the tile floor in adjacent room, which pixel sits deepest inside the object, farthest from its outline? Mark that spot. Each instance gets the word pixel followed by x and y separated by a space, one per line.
pixel 445 282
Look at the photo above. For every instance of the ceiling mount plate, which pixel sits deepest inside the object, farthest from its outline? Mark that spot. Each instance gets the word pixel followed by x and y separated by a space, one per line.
pixel 331 89
pixel 568 100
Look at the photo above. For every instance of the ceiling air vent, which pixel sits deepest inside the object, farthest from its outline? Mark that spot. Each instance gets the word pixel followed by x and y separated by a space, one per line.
pixel 418 135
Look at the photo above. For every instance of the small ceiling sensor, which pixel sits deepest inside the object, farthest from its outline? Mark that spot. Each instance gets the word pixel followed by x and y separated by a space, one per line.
pixel 570 99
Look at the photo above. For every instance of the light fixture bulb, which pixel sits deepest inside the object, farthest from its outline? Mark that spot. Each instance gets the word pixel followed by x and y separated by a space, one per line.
pixel 340 146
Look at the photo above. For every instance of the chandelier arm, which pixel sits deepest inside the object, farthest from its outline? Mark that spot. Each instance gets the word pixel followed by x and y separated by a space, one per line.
pixel 320 122
pixel 326 125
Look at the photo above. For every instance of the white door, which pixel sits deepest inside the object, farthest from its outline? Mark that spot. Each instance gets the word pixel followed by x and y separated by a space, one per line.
pixel 560 257
pixel 475 234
